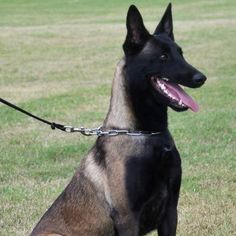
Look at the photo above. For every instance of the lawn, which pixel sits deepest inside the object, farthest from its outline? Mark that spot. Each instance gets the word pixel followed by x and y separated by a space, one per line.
pixel 57 60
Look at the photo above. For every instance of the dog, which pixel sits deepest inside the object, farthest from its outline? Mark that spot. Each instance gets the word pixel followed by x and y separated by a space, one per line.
pixel 128 185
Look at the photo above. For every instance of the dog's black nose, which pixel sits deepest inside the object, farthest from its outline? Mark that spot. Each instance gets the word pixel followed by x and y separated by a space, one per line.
pixel 199 79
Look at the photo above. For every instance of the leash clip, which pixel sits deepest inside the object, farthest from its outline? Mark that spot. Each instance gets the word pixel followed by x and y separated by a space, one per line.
pixel 69 129
pixel 90 132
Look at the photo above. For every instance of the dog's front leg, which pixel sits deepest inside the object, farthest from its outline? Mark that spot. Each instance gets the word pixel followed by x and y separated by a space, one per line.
pixel 124 219
pixel 124 224
pixel 168 224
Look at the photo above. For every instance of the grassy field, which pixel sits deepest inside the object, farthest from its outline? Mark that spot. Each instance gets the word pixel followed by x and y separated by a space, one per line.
pixel 57 59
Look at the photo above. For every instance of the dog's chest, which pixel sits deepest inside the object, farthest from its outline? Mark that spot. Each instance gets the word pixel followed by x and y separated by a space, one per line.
pixel 163 187
pixel 152 171
pixel 145 169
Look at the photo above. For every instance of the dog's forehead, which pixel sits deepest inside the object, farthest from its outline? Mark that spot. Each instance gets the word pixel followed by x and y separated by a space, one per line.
pixel 158 43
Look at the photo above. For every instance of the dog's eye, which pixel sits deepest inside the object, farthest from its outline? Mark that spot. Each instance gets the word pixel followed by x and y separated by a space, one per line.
pixel 164 57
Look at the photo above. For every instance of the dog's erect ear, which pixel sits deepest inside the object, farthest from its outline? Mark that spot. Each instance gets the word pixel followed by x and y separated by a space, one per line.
pixel 166 23
pixel 137 35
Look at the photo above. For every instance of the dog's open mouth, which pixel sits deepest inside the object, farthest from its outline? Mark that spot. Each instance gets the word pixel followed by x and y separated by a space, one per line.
pixel 174 93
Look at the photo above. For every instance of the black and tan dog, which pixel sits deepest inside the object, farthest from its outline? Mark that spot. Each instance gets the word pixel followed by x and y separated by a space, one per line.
pixel 129 185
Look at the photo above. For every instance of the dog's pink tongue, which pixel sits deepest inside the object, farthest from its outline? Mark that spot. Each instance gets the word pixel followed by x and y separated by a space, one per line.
pixel 177 91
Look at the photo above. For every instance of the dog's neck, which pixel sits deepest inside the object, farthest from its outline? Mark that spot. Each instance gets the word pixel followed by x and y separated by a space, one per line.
pixel 121 114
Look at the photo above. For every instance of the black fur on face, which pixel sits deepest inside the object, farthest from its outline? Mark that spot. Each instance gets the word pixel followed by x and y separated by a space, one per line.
pixel 154 63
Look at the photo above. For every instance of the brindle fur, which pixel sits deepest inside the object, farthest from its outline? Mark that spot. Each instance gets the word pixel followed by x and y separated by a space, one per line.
pixel 125 185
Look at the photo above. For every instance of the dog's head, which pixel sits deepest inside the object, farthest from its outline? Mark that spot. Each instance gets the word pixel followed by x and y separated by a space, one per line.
pixel 156 65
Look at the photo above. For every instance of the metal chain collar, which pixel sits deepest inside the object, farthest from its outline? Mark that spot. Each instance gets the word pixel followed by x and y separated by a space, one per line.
pixel 112 132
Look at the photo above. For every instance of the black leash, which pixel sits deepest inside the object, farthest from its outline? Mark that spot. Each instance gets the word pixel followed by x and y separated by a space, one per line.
pixel 88 132
pixel 52 124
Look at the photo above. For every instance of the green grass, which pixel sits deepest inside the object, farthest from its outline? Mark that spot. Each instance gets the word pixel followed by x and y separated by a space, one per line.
pixel 57 59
